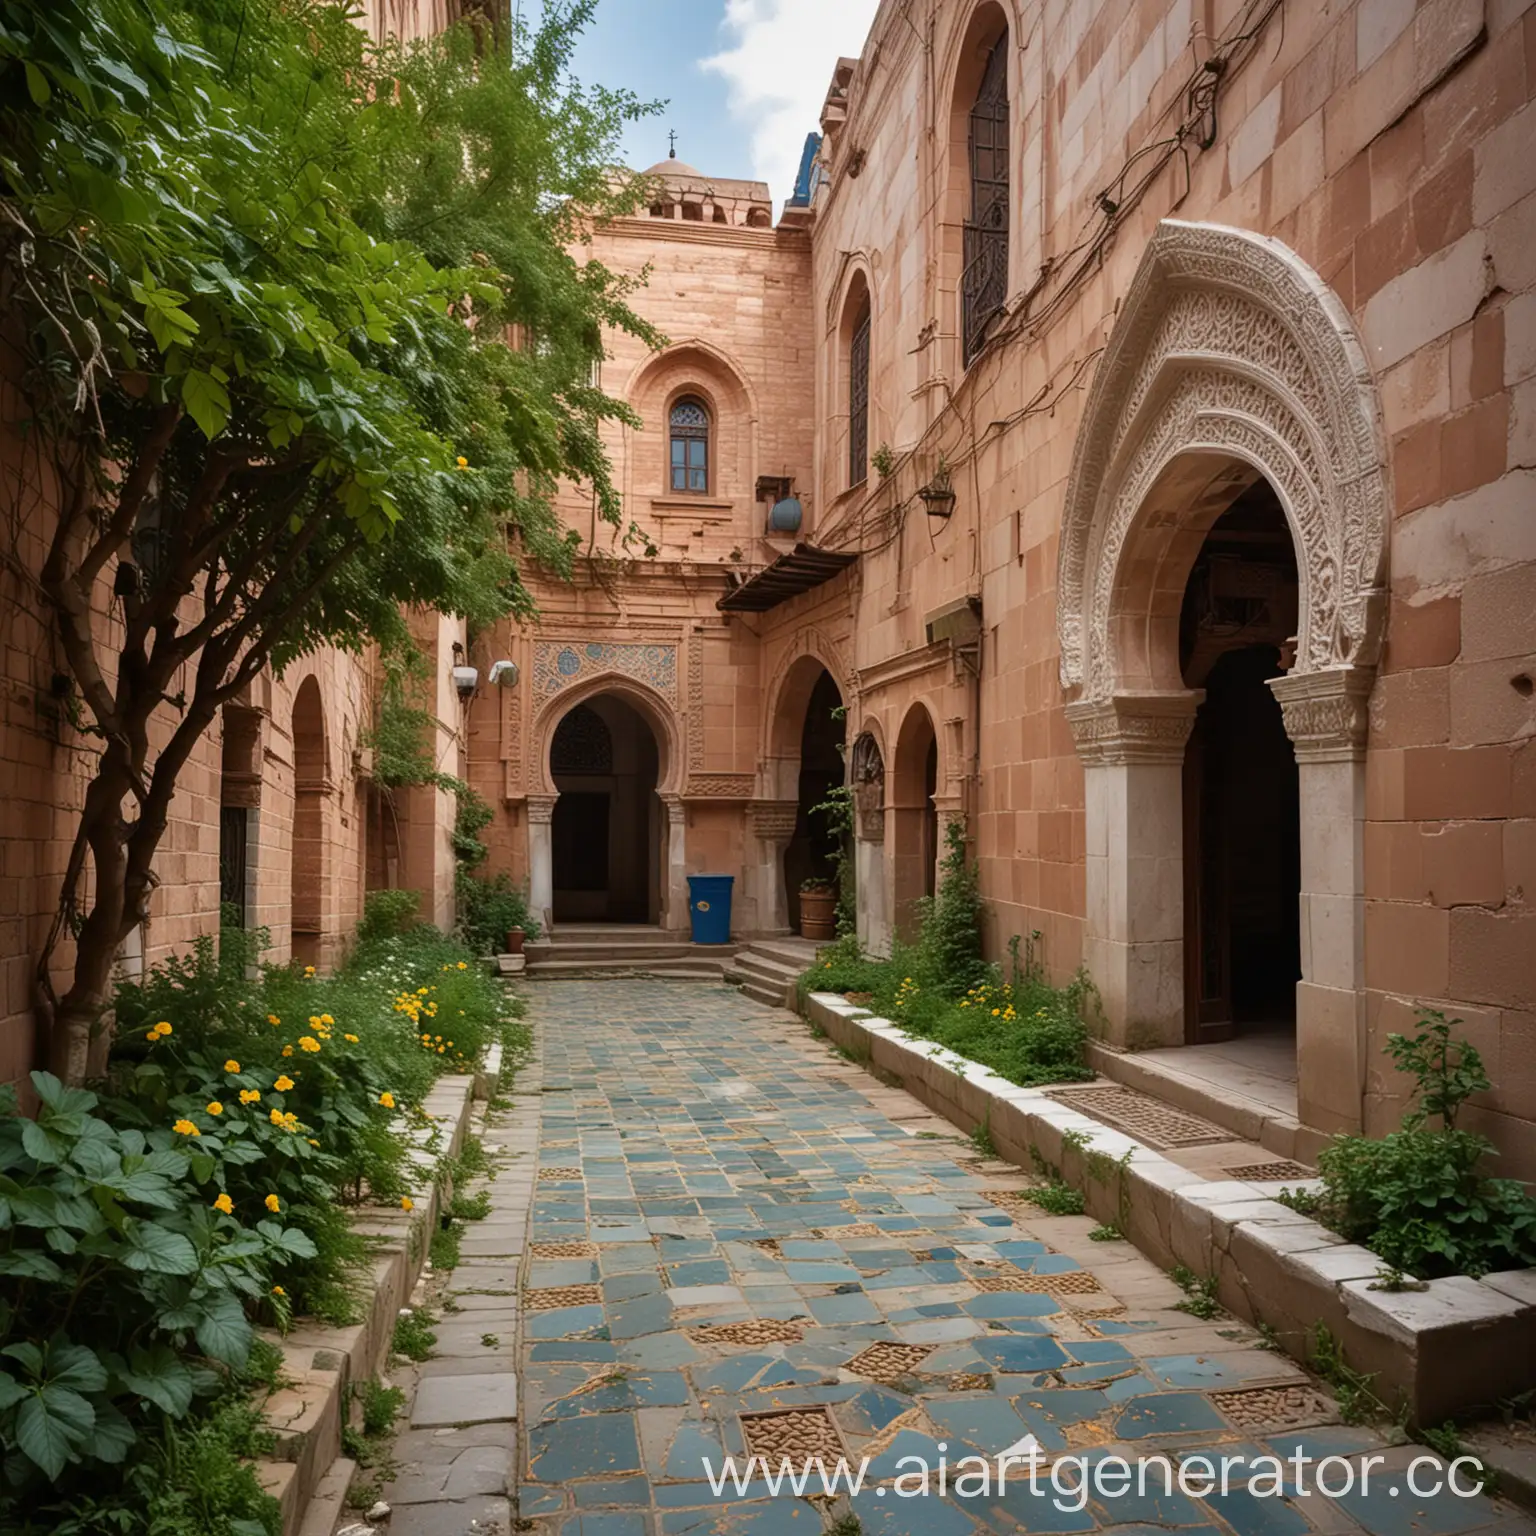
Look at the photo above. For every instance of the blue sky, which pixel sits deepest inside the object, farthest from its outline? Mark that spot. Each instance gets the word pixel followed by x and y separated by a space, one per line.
pixel 744 79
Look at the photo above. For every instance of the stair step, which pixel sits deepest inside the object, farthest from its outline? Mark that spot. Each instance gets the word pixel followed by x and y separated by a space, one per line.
pixel 684 967
pixel 623 949
pixel 765 970
pixel 795 953
pixel 764 995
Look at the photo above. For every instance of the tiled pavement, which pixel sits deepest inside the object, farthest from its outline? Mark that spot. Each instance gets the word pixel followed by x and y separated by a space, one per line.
pixel 704 1164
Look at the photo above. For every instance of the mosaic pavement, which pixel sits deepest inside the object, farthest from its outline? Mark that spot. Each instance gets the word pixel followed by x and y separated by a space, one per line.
pixel 740 1243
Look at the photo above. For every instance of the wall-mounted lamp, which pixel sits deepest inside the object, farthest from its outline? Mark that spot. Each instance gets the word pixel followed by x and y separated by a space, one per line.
pixel 465 679
pixel 938 495
pixel 503 674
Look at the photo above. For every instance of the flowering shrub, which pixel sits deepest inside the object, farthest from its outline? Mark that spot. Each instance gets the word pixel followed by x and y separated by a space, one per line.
pixel 126 1279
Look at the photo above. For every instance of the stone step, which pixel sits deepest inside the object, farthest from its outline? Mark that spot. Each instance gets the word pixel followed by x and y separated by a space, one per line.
pixel 795 953
pixel 760 993
pixel 684 968
pixel 617 949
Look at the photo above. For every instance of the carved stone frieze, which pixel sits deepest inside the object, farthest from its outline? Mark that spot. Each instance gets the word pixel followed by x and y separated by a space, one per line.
pixel 1326 713
pixel 773 820
pixel 720 786
pixel 1133 727
pixel 541 808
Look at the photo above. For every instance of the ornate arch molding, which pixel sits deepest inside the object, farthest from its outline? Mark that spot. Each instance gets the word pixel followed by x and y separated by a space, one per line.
pixel 697 362
pixel 1229 343
pixel 657 713
pixel 854 265
pixel 813 643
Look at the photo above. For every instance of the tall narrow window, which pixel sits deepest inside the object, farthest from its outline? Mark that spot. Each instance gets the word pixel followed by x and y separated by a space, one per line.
pixel 690 446
pixel 858 399
pixel 984 282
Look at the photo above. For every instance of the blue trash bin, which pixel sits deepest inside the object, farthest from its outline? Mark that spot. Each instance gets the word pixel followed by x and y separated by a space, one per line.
pixel 709 905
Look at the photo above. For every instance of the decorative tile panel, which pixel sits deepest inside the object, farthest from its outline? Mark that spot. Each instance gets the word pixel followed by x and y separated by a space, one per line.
pixel 559 663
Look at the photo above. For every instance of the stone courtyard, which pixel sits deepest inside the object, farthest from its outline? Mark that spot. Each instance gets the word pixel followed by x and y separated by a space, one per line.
pixel 711 1237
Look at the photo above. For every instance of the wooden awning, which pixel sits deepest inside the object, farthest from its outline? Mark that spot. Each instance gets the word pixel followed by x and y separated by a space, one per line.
pixel 787 577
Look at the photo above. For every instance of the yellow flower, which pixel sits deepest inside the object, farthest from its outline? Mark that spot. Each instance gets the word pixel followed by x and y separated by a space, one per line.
pixel 283 1084
pixel 406 1203
pixel 186 1128
pixel 313 1142
pixel 272 1018
pixel 314 1020
pixel 463 965
pixel 249 1096
pixel 214 1107
pixel 350 1039
pixel 162 1028
pixel 277 1290
pixel 231 1065
pixel 152 1035
pixel 325 1018
pixel 272 1203
pixel 309 1043
pixel 290 1121
pixel 461 462
pixel 440 1050
pixel 225 1204
pixel 309 970
pixel 287 1050
pixel 276 1117
pixel 450 1045
pixel 387 1100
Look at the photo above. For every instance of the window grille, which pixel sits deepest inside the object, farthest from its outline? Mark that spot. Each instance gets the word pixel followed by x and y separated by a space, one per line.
pixel 984 281
pixel 858 401
pixel 690 446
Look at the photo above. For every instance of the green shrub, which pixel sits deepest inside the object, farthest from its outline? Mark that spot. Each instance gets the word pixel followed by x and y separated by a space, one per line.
pixel 127 1284
pixel 1418 1197
pixel 387 914
pixel 488 908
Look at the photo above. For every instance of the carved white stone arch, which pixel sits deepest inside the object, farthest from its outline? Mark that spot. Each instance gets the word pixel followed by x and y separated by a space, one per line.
pixel 1231 359
pixel 1229 343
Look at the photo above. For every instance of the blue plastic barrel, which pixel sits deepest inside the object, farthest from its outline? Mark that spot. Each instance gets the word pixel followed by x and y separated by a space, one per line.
pixel 709 905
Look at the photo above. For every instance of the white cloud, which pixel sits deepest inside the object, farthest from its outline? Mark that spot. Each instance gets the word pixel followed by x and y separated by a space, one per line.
pixel 779 68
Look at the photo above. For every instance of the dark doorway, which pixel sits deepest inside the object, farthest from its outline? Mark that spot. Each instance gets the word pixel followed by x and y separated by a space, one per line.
pixel 1242 810
pixel 606 826
pixel 809 853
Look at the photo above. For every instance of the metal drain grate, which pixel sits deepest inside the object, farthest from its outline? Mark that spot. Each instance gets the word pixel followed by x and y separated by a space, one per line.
pixel 562 1296
pixel 1269 1173
pixel 1146 1118
pixel 757 1330
pixel 1273 1407
pixel 799 1436
pixel 560 1173
pixel 887 1362
pixel 567 1250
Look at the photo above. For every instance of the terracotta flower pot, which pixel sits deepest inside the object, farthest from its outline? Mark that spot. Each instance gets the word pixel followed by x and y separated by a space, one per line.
pixel 514 941
pixel 818 914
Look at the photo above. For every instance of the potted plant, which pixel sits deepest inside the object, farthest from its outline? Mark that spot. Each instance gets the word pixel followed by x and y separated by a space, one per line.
pixel 818 908
pixel 515 941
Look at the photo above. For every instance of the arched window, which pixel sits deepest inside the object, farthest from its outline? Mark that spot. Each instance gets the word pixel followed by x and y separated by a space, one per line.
pixel 984 282
pixel 690 446
pixel 858 398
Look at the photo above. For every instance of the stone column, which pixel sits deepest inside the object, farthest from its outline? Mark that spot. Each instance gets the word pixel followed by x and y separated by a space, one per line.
pixel 1132 747
pixel 1325 717
pixel 541 859
pixel 675 886
pixel 874 924
pixel 771 824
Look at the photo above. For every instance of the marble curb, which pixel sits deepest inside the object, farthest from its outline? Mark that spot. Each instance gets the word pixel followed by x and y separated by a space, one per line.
pixel 1455 1344
pixel 320 1363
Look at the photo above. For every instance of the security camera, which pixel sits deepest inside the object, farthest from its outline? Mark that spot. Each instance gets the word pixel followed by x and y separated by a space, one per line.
pixel 465 680
pixel 503 674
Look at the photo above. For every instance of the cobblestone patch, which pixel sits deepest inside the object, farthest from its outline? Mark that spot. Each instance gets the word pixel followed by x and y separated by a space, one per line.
pixel 550 1297
pixel 796 1436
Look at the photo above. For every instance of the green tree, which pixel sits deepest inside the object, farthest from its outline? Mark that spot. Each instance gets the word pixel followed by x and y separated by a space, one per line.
pixel 257 273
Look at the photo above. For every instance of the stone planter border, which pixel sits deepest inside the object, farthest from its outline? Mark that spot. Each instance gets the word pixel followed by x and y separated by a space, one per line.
pixel 1456 1344
pixel 321 1364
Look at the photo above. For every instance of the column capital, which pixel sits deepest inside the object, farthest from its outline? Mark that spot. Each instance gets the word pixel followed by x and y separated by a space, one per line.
pixel 541 808
pixel 869 811
pixel 772 820
pixel 1326 712
pixel 1134 727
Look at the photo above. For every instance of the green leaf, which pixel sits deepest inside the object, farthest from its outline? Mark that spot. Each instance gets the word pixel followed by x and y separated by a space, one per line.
pixel 29 1264
pixel 224 1333
pixel 11 1391
pixel 39 1145
pixel 113 1436
pixel 50 1427
pixel 154 1249
pixel 76 1367
pixel 206 400
pixel 37 84
pixel 161 1377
